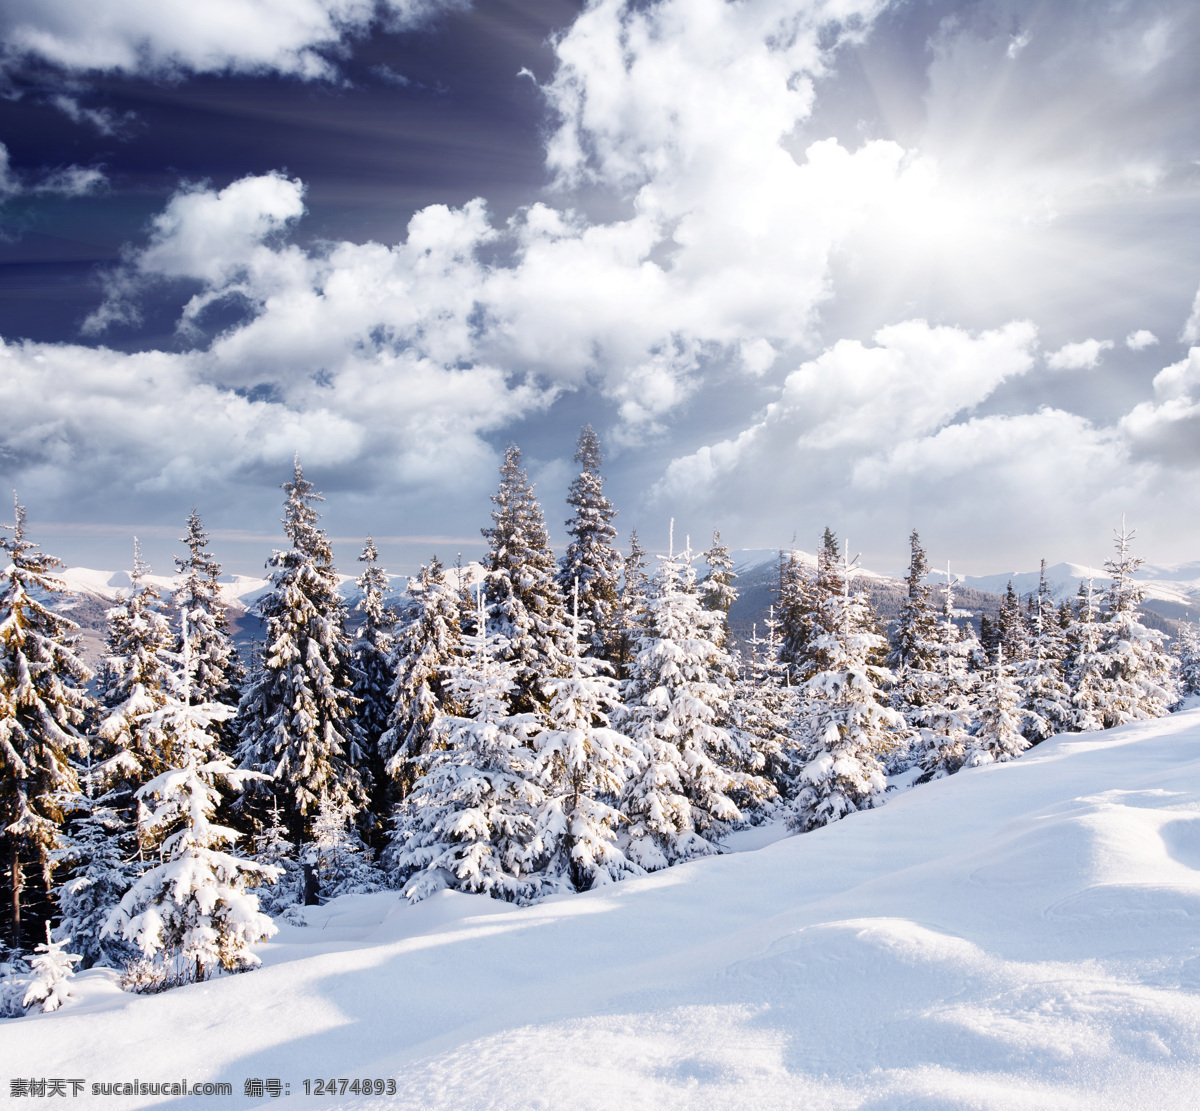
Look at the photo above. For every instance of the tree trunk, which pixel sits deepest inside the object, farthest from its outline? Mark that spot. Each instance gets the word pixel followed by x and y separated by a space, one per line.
pixel 18 883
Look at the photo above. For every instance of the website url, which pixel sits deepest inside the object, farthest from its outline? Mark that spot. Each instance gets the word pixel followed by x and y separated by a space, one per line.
pixel 162 1088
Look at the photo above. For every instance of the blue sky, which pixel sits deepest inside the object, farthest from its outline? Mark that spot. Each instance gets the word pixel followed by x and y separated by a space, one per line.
pixel 872 265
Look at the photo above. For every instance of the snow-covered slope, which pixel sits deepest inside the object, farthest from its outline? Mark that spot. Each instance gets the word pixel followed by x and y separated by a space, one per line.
pixel 1177 583
pixel 1017 936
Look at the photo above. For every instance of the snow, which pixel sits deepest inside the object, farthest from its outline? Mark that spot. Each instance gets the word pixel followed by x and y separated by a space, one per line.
pixel 1020 935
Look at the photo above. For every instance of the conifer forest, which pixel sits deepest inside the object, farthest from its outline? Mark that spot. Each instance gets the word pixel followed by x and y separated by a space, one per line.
pixel 548 726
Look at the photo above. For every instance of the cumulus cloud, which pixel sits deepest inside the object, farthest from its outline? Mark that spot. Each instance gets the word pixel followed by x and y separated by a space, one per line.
pixel 218 36
pixel 1191 327
pixel 1140 340
pixel 1079 356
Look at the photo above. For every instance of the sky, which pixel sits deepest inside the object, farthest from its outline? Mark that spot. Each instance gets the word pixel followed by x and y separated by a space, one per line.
pixel 878 266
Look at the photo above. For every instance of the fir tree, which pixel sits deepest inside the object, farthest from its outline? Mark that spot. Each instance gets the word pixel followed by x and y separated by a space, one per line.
pixel 468 822
pixel 52 970
pixel 581 762
pixel 42 704
pixel 679 803
pixel 761 712
pixel 1010 628
pixel 219 673
pixel 425 647
pixel 1187 653
pixel 914 647
pixel 1045 694
pixel 797 614
pixel 344 864
pixel 525 603
pixel 1085 668
pixel 274 846
pixel 372 653
pixel 296 719
pixel 999 733
pixel 195 905
pixel 948 718
pixel 717 591
pixel 849 724
pixel 1138 680
pixel 97 856
pixel 134 685
pixel 591 559
pixel 631 606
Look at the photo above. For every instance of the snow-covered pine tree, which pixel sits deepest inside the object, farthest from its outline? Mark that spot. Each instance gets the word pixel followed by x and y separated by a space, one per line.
pixel 134 684
pixel 525 604
pixel 678 804
pixel 1045 694
pixel 1011 634
pixel 195 907
pixel 591 558
pixel 468 822
pixel 49 986
pixel 999 730
pixel 372 653
pixel 344 864
pixel 797 614
pixel 717 591
pixel 1187 652
pixel 97 860
pixel 219 672
pixel 915 650
pixel 946 721
pixel 425 647
pixel 1085 663
pixel 296 719
pixel 42 704
pixel 1138 678
pixel 760 716
pixel 273 845
pixel 581 762
pixel 849 724
pixel 631 606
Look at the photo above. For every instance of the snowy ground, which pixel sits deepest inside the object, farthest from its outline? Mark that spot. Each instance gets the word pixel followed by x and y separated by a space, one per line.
pixel 1019 936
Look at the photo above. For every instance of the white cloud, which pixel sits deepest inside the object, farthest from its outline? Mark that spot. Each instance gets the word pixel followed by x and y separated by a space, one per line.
pixel 1079 356
pixel 104 120
pixel 1191 328
pixel 1140 340
pixel 67 181
pixel 218 36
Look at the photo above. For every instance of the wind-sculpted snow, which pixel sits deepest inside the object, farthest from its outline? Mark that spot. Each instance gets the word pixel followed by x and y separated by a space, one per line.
pixel 1022 935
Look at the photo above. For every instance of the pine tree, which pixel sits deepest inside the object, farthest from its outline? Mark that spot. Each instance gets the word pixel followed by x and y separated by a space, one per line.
pixel 591 559
pixel 134 685
pixel 631 606
pixel 525 603
pixel 274 846
pixel 468 822
pixel 425 647
pixel 679 803
pixel 219 673
pixel 914 647
pixel 849 724
pixel 42 704
pixel 97 859
pixel 1085 666
pixel 195 905
pixel 52 970
pixel 1187 652
pixel 797 614
pixel 580 763
pixel 296 719
pixel 1045 694
pixel 1138 680
pixel 372 653
pixel 717 591
pixel 948 718
pixel 761 712
pixel 344 864
pixel 1010 628
pixel 999 732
